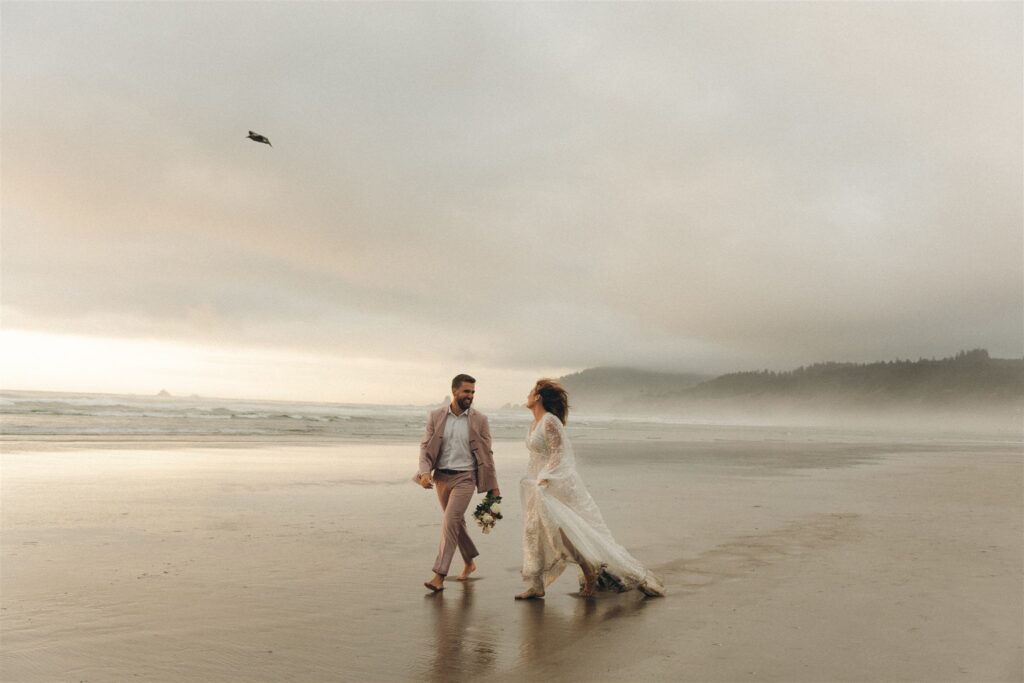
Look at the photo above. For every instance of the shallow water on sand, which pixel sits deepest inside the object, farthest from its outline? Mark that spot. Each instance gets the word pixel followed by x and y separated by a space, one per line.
pixel 300 563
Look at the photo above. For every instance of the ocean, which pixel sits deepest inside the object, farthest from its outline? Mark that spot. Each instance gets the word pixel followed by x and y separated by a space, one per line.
pixel 34 413
pixel 46 416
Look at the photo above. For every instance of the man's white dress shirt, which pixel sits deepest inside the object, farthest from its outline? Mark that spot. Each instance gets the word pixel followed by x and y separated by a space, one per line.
pixel 455 454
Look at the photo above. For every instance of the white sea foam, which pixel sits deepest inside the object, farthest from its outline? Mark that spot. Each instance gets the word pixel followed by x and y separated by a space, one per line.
pixel 43 413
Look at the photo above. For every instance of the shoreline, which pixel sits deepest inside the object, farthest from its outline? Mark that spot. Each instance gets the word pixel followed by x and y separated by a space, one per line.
pixel 582 429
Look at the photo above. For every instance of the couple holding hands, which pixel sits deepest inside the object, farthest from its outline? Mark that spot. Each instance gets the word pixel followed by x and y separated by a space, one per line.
pixel 561 523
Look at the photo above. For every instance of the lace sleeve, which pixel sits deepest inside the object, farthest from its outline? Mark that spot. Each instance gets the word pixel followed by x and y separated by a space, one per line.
pixel 559 462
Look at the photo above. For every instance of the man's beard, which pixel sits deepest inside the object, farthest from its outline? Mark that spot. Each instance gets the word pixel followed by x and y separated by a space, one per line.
pixel 464 403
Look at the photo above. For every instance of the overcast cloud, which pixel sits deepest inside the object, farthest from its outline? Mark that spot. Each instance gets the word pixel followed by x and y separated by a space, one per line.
pixel 690 186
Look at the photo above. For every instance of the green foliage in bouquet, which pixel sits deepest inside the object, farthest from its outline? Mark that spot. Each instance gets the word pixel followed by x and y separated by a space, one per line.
pixel 488 512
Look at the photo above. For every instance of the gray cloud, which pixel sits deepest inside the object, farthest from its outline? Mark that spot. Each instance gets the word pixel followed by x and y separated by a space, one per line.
pixel 698 186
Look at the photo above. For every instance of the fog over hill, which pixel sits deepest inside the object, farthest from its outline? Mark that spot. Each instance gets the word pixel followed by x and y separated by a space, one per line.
pixel 598 388
pixel 969 383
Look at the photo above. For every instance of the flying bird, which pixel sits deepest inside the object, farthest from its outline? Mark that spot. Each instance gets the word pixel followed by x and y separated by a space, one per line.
pixel 256 137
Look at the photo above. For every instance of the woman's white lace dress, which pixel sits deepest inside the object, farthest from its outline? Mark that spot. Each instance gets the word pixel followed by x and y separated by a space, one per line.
pixel 561 522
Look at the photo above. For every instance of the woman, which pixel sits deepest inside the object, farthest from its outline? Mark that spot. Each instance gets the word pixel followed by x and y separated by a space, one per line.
pixel 561 522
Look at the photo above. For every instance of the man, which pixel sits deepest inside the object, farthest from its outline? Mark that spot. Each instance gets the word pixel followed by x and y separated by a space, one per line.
pixel 456 455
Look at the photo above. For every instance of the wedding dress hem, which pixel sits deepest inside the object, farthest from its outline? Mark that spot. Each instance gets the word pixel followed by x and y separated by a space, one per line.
pixel 562 524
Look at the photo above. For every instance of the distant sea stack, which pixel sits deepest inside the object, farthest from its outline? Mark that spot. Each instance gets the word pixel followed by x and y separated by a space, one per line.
pixel 164 393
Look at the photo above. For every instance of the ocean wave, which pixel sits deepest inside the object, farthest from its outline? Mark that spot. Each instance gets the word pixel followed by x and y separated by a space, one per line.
pixel 43 413
pixel 29 430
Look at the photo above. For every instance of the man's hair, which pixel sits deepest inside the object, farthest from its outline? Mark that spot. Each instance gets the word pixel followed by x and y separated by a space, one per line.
pixel 458 381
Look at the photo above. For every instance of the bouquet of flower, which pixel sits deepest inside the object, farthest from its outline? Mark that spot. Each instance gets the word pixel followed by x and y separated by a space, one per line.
pixel 488 512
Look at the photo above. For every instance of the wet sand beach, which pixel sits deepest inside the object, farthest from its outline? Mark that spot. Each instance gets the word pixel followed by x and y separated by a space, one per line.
pixel 787 555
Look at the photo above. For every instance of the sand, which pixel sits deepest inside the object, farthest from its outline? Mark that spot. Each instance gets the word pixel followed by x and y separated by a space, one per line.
pixel 788 556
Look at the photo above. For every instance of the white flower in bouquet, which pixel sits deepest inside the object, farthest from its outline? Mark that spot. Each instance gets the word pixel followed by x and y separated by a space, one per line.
pixel 496 507
pixel 487 519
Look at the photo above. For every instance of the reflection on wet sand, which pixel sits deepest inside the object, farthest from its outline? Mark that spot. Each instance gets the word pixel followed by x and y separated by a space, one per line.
pixel 465 649
pixel 472 637
pixel 546 635
pixel 117 561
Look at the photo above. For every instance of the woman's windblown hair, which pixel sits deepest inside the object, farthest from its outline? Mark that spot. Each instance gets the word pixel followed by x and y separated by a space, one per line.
pixel 554 398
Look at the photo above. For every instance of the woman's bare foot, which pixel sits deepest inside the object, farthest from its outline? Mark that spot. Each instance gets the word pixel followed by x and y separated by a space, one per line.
pixel 466 571
pixel 530 594
pixel 589 587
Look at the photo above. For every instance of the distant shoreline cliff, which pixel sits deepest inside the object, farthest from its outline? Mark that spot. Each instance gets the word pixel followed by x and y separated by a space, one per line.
pixel 969 381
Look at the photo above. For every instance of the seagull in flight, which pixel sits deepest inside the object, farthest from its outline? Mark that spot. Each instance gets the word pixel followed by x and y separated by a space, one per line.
pixel 256 137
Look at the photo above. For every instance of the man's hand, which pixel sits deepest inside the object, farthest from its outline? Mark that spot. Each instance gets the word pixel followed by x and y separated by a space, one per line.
pixel 425 481
pixel 542 482
pixel 495 493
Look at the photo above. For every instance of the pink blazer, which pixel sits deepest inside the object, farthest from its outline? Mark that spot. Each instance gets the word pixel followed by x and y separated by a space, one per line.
pixel 479 446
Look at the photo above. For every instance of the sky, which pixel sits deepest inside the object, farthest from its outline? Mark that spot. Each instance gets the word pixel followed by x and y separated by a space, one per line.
pixel 512 190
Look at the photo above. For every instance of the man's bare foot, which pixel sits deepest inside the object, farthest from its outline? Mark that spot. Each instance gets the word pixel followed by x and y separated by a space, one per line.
pixel 530 594
pixel 436 584
pixel 466 571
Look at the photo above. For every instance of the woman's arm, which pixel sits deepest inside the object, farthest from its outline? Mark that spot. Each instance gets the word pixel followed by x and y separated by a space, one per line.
pixel 553 437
